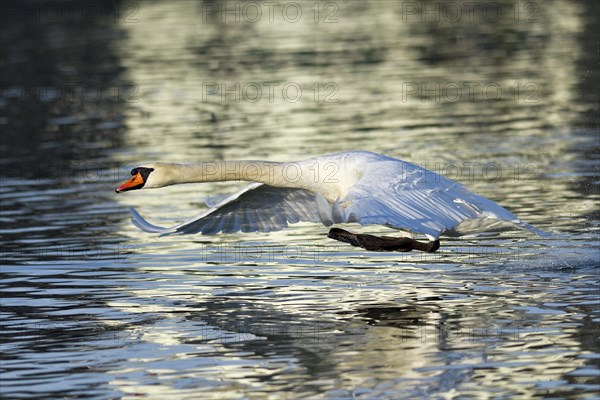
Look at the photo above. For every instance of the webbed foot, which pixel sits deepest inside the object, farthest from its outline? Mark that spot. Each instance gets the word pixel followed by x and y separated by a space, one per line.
pixel 382 243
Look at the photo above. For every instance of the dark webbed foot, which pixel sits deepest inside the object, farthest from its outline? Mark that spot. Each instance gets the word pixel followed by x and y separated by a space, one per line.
pixel 382 243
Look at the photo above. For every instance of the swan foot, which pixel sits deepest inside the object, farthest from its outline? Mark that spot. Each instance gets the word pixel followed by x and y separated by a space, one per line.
pixel 382 243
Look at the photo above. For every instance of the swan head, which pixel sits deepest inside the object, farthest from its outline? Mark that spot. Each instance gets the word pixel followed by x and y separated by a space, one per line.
pixel 153 175
pixel 140 177
pixel 159 174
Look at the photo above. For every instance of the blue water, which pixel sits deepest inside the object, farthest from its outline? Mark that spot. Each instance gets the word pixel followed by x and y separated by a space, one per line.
pixel 93 308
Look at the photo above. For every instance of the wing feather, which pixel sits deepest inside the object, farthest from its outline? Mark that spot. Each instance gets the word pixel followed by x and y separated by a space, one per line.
pixel 405 200
pixel 257 207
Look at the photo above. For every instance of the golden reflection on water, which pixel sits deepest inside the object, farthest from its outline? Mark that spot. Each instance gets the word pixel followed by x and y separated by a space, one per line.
pixel 305 317
pixel 94 306
pixel 382 70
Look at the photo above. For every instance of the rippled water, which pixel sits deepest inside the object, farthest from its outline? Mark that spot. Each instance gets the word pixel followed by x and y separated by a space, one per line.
pixel 93 308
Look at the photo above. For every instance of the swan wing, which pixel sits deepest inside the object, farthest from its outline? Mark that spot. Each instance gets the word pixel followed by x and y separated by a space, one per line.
pixel 257 207
pixel 408 197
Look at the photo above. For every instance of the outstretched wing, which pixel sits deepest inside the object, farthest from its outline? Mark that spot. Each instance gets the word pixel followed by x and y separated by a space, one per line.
pixel 420 201
pixel 257 207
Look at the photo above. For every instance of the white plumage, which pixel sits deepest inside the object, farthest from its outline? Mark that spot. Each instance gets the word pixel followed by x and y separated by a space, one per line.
pixel 362 187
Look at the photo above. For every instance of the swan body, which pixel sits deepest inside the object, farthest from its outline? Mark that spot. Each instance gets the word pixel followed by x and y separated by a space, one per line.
pixel 349 187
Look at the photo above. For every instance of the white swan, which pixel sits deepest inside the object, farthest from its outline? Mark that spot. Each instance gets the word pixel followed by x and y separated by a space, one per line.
pixel 358 186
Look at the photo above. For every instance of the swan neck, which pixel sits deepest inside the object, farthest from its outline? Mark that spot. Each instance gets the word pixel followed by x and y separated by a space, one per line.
pixel 271 173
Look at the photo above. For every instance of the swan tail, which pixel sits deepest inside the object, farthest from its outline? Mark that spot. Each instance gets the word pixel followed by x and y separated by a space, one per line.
pixel 146 226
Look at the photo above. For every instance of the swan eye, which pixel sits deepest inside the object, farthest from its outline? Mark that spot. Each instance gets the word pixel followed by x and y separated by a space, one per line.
pixel 134 171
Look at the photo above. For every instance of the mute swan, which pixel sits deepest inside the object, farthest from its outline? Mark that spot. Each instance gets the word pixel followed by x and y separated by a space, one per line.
pixel 358 186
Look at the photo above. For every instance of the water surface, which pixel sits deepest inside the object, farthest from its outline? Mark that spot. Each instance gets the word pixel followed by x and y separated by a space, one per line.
pixel 94 308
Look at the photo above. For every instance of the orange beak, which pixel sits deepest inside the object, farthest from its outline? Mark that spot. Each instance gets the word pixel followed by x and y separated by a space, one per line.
pixel 136 182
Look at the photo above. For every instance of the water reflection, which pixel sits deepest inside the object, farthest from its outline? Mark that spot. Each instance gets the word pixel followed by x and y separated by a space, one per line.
pixel 61 117
pixel 93 307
